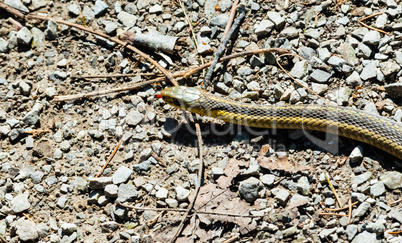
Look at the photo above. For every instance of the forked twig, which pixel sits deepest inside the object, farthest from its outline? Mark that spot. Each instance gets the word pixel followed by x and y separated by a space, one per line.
pixel 369 27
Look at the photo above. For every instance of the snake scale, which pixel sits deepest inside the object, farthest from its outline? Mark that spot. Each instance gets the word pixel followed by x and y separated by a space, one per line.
pixel 355 124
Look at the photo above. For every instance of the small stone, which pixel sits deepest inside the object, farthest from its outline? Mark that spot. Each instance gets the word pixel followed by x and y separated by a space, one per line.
pixel 134 118
pixel 111 190
pixel 26 231
pixel 69 228
pixel 127 19
pixel 392 179
pixel 362 178
pixel 74 9
pixel 290 32
pixel 343 21
pixel 96 134
pixel 306 52
pixel 182 193
pixel 377 189
pixel 354 79
pixel 20 203
pixel 372 38
pixel 126 192
pixel 351 231
pixel 99 182
pixel 369 71
pixel 43 229
pixel 103 200
pixel 337 63
pixel 100 8
pixel 25 88
pixel 361 210
pixel 326 232
pixel 36 4
pixel 366 237
pixel 51 30
pixel 312 33
pixel 216 172
pixel 378 227
pixel 263 28
pixel 156 9
pixel 268 179
pixel 62 201
pixel 109 227
pixel 356 155
pixel 320 76
pixel 220 20
pixel 289 232
pixel 348 53
pixel 389 67
pixel 17 4
pixel 122 175
pixel 299 70
pixel 162 193
pixel 172 203
pixel 282 195
pixel 142 167
pixel 277 19
pixel 249 188
pixel 323 54
pixel 319 88
pixel 303 185
pixel 364 50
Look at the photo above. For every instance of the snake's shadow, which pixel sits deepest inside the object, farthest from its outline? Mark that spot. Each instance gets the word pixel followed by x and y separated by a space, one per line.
pixel 225 136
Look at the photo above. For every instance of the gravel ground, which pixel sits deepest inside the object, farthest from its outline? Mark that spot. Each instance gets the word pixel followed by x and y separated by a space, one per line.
pixel 48 188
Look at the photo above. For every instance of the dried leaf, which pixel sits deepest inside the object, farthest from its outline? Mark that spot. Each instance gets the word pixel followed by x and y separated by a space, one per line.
pixel 232 169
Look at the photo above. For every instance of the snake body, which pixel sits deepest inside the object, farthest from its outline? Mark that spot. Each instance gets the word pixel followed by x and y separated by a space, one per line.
pixel 362 126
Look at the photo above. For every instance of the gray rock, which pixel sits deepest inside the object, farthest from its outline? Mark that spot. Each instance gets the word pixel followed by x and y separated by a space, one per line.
pixel 306 52
pixel 300 69
pixel 3 45
pixel 256 61
pixel 303 185
pixel 4 130
pixel 337 63
pixel 109 227
pixel 398 57
pixel 216 172
pixel 62 201
pixel 366 237
pixel 51 30
pixel 289 232
pixel 156 9
pixel 181 193
pixel 351 231
pixel 369 71
pixel 371 108
pixel 329 202
pixel 290 32
pixel 249 188
pixel 122 175
pixel 103 200
pixel 372 38
pixel 343 21
pixel 88 14
pixel 142 167
pixel 377 189
pixel 51 180
pixel 38 37
pixel 277 19
pixel 361 210
pixel 29 142
pixel 32 117
pixel 220 20
pixel 43 229
pixel 37 177
pixel 96 134
pixel 320 76
pixel 127 19
pixel 362 178
pixel 389 67
pixel 134 118
pixel 326 232
pixel 396 214
pixel 348 53
pixel 354 79
pixel 221 88
pixel 20 203
pixel 126 192
pixel 17 4
pixel 378 227
pixel 397 117
pixel 392 179
pixel 162 193
pixel 323 54
pixel 110 27
pixel 268 179
pixel 39 4
pixel 319 88
pixel 356 155
pixel 364 50
pixel 172 203
pixel 99 182
pixel 145 154
pixel 263 28
pixel 111 190
pixel 25 88
pixel 100 8
pixel 282 195
pixel 74 9
pixel 69 228
pixel 342 95
pixel 312 33
pixel 26 231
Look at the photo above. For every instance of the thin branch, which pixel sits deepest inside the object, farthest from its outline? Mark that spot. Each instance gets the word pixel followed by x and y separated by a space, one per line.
pixel 110 157
pixel 234 238
pixel 222 47
pixel 159 159
pixel 12 10
pixel 333 189
pixel 231 18
pixel 200 170
pixel 369 27
pixel 340 209
pixel 3 240
pixel 116 40
pixel 115 75
pixel 334 214
pixel 184 74
pixel 26 216
pixel 350 211
pixel 395 202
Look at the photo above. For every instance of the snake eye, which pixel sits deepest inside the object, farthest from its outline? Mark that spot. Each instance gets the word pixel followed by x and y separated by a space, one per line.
pixel 177 102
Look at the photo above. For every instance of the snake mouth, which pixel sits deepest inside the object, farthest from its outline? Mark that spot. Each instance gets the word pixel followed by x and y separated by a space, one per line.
pixel 181 97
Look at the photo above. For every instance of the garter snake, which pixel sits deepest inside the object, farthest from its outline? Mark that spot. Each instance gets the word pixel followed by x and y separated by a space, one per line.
pixel 362 126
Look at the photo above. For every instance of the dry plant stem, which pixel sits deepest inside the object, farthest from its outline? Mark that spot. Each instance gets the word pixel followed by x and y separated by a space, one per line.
pixel 334 214
pixel 333 190
pixel 12 10
pixel 17 25
pixel 3 240
pixel 369 27
pixel 159 159
pixel 110 157
pixel 200 171
pixel 350 211
pixel 232 239
pixel 26 216
pixel 222 47
pixel 395 202
pixel 231 18
pixel 153 221
pixel 340 209
pixel 395 232
pixel 184 74
pixel 301 84
pixel 116 75
pixel 120 42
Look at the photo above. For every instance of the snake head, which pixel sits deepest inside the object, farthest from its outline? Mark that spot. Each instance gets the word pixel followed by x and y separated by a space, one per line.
pixel 185 98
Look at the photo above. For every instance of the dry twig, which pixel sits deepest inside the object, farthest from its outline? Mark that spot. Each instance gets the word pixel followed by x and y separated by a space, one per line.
pixel 234 238
pixel 369 27
pixel 110 157
pixel 340 209
pixel 350 211
pixel 231 18
pixel 115 75
pixel 26 216
pixel 395 202
pixel 159 159
pixel 3 240
pixel 334 214
pixel 333 190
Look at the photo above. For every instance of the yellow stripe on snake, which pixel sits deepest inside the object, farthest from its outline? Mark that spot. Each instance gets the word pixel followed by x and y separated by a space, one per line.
pixel 365 127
